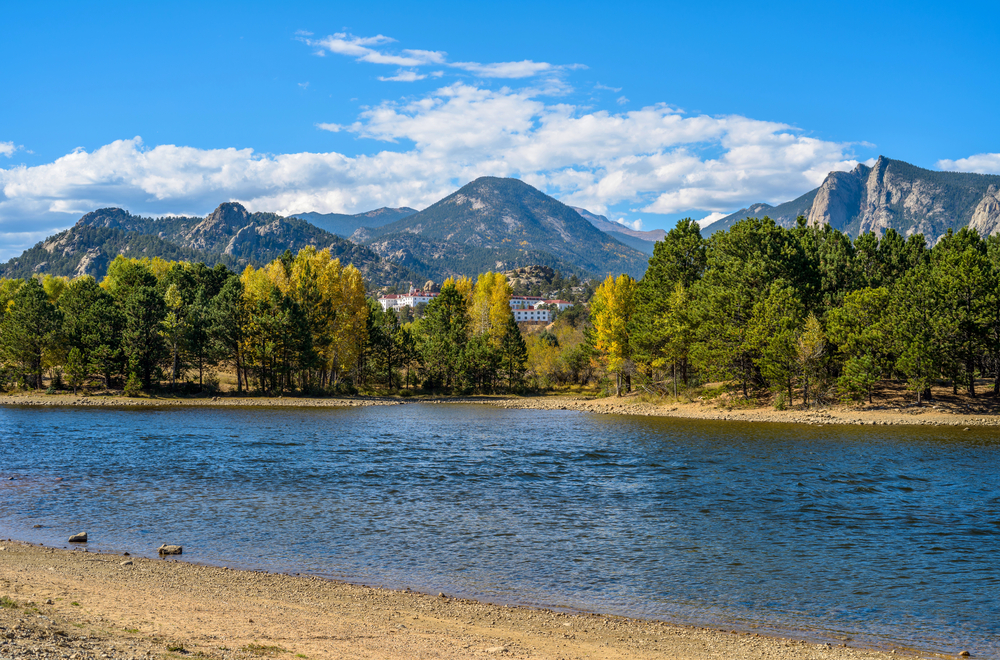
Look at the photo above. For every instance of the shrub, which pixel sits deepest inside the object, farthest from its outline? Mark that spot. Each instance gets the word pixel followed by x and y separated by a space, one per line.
pixel 133 386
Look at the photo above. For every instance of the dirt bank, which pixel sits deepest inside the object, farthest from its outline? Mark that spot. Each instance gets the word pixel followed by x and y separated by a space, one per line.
pixel 882 415
pixel 893 409
pixel 74 604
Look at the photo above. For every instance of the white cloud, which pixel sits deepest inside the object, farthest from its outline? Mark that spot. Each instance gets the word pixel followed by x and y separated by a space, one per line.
pixel 635 224
pixel 656 158
pixel 710 218
pixel 403 76
pixel 605 87
pixel 364 49
pixel 981 163
pixel 622 100
pixel 8 149
pixel 523 69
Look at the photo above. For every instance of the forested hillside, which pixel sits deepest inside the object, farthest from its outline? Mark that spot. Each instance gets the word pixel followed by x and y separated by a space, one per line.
pixel 230 235
pixel 806 312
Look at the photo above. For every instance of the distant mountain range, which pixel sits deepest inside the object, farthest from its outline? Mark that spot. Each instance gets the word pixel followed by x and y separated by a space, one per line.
pixel 640 240
pixel 229 235
pixel 344 225
pixel 490 224
pixel 502 224
pixel 893 194
pixel 499 224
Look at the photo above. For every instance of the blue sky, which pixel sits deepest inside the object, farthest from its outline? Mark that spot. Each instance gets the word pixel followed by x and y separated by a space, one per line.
pixel 646 112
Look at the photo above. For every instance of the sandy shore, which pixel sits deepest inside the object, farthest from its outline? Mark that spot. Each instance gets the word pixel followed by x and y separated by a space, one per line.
pixel 944 412
pixel 80 605
pixel 891 415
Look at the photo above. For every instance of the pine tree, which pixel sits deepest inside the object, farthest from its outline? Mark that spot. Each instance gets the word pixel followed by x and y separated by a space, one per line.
pixel 446 331
pixel 144 346
pixel 30 330
pixel 774 332
pixel 513 353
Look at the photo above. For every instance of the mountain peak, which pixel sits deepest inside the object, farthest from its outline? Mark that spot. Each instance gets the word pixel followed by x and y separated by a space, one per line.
pixel 109 217
pixel 229 215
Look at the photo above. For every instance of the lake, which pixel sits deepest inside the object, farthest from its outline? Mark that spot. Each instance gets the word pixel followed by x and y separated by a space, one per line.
pixel 870 535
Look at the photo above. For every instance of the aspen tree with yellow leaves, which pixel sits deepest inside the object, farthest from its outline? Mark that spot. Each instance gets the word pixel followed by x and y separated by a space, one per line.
pixel 611 311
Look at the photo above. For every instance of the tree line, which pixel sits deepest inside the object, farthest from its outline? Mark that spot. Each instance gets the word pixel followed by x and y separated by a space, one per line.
pixel 805 312
pixel 301 323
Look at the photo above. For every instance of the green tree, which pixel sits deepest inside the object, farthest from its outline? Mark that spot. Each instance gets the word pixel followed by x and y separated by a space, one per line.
pixel 445 330
pixel 143 343
pixel 30 330
pixel 679 259
pixel 228 319
pixel 964 281
pixel 774 332
pixel 916 323
pixel 862 331
pixel 811 353
pixel 513 354
pixel 94 324
pixel 77 368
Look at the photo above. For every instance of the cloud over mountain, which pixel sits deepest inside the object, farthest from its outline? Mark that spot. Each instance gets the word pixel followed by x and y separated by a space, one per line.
pixel 658 158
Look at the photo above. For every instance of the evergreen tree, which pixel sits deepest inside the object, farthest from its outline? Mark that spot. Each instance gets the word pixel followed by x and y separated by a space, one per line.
pixel 30 330
pixel 227 323
pixel 917 328
pixel 513 353
pixel 446 332
pixel 94 324
pixel 679 259
pixel 143 343
pixel 862 331
pixel 774 332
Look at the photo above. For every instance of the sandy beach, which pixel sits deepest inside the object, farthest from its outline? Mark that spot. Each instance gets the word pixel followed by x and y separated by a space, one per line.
pixel 81 605
pixel 894 410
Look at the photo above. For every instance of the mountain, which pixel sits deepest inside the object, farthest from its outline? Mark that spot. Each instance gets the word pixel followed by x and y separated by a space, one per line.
pixel 643 241
pixel 344 225
pixel 230 235
pixel 895 194
pixel 509 224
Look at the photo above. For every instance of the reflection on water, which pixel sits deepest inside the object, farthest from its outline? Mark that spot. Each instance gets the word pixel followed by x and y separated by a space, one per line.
pixel 878 535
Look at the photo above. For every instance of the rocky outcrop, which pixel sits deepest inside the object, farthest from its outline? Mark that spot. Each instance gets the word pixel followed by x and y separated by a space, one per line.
pixel 838 199
pixel 78 538
pixel 986 217
pixel 909 199
pixel 226 220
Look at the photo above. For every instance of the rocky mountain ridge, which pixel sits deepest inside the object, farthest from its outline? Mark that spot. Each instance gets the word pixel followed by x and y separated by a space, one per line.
pixel 510 224
pixel 230 235
pixel 344 225
pixel 890 193
pixel 640 240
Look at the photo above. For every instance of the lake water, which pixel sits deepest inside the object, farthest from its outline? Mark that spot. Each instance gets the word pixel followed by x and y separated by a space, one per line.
pixel 871 535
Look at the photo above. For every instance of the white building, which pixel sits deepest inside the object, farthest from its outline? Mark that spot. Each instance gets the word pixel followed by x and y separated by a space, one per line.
pixel 524 302
pixel 410 299
pixel 525 308
pixel 532 315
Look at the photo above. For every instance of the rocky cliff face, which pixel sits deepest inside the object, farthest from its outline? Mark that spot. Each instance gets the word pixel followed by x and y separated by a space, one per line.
pixel 986 217
pixel 892 194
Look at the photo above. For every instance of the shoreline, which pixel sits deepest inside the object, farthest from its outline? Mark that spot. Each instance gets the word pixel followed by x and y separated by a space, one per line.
pixel 73 603
pixel 881 415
